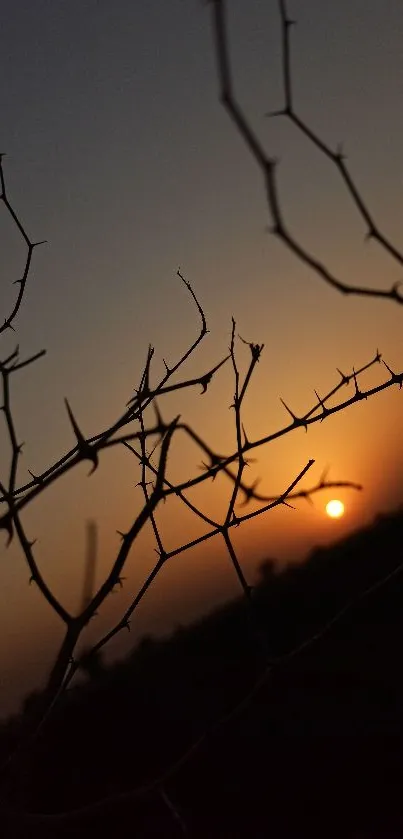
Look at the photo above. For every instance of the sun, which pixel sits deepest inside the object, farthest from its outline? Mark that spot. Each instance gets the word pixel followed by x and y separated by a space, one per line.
pixel 335 509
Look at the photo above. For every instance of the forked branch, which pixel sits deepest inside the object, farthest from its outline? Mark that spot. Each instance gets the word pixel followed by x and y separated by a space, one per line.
pixel 268 164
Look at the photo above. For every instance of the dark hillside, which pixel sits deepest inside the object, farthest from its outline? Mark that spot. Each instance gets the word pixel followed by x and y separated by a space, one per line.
pixel 317 750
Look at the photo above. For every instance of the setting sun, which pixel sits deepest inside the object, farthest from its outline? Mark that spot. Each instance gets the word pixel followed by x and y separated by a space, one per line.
pixel 335 509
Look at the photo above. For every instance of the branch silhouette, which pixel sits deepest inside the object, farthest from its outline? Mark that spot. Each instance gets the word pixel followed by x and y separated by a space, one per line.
pixel 150 444
pixel 22 282
pixel 268 164
pixel 16 498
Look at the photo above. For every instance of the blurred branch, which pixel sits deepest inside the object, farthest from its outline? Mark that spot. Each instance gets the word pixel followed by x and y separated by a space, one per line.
pixel 336 157
pixel 90 565
pixel 268 165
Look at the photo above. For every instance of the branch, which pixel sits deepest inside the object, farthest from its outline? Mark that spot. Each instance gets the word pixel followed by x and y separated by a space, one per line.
pixel 268 164
pixel 8 321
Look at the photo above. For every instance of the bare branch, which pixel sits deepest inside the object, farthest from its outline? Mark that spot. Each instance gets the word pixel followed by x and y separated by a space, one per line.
pixel 268 164
pixel 8 321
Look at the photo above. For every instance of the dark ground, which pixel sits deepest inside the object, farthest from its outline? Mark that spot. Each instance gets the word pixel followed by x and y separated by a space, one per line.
pixel 316 751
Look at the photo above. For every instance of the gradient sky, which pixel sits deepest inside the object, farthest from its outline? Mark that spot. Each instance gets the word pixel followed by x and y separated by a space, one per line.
pixel 120 155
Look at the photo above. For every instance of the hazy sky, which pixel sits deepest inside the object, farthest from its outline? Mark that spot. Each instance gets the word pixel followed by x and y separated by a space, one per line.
pixel 120 155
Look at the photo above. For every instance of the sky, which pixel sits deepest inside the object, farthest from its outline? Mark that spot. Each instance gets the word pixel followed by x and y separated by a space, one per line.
pixel 120 155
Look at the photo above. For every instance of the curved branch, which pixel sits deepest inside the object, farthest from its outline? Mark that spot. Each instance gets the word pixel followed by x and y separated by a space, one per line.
pixel 8 321
pixel 268 165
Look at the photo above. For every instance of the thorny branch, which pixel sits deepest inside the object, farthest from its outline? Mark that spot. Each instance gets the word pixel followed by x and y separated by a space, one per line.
pixel 150 444
pixel 268 164
pixel 8 321
pixel 16 498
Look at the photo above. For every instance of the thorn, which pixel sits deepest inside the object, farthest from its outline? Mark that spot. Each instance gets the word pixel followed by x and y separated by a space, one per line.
pixel 393 376
pixel 324 476
pixel 159 421
pixel 205 381
pixel 7 525
pixel 80 438
pixel 246 443
pixel 206 468
pixel 36 478
pixel 256 349
pixel 322 404
pixel 345 380
pixel 358 393
pixel 249 492
pixel 143 485
pixel 84 448
pixel 249 460
pixel 297 420
pixel 242 462
pixel 216 459
pixel 287 504
pixel 214 466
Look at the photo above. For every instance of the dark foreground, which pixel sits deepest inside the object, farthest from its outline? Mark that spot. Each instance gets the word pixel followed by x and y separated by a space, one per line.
pixel 316 750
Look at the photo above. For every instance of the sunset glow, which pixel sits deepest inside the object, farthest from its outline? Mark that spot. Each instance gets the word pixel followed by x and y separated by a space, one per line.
pixel 335 509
